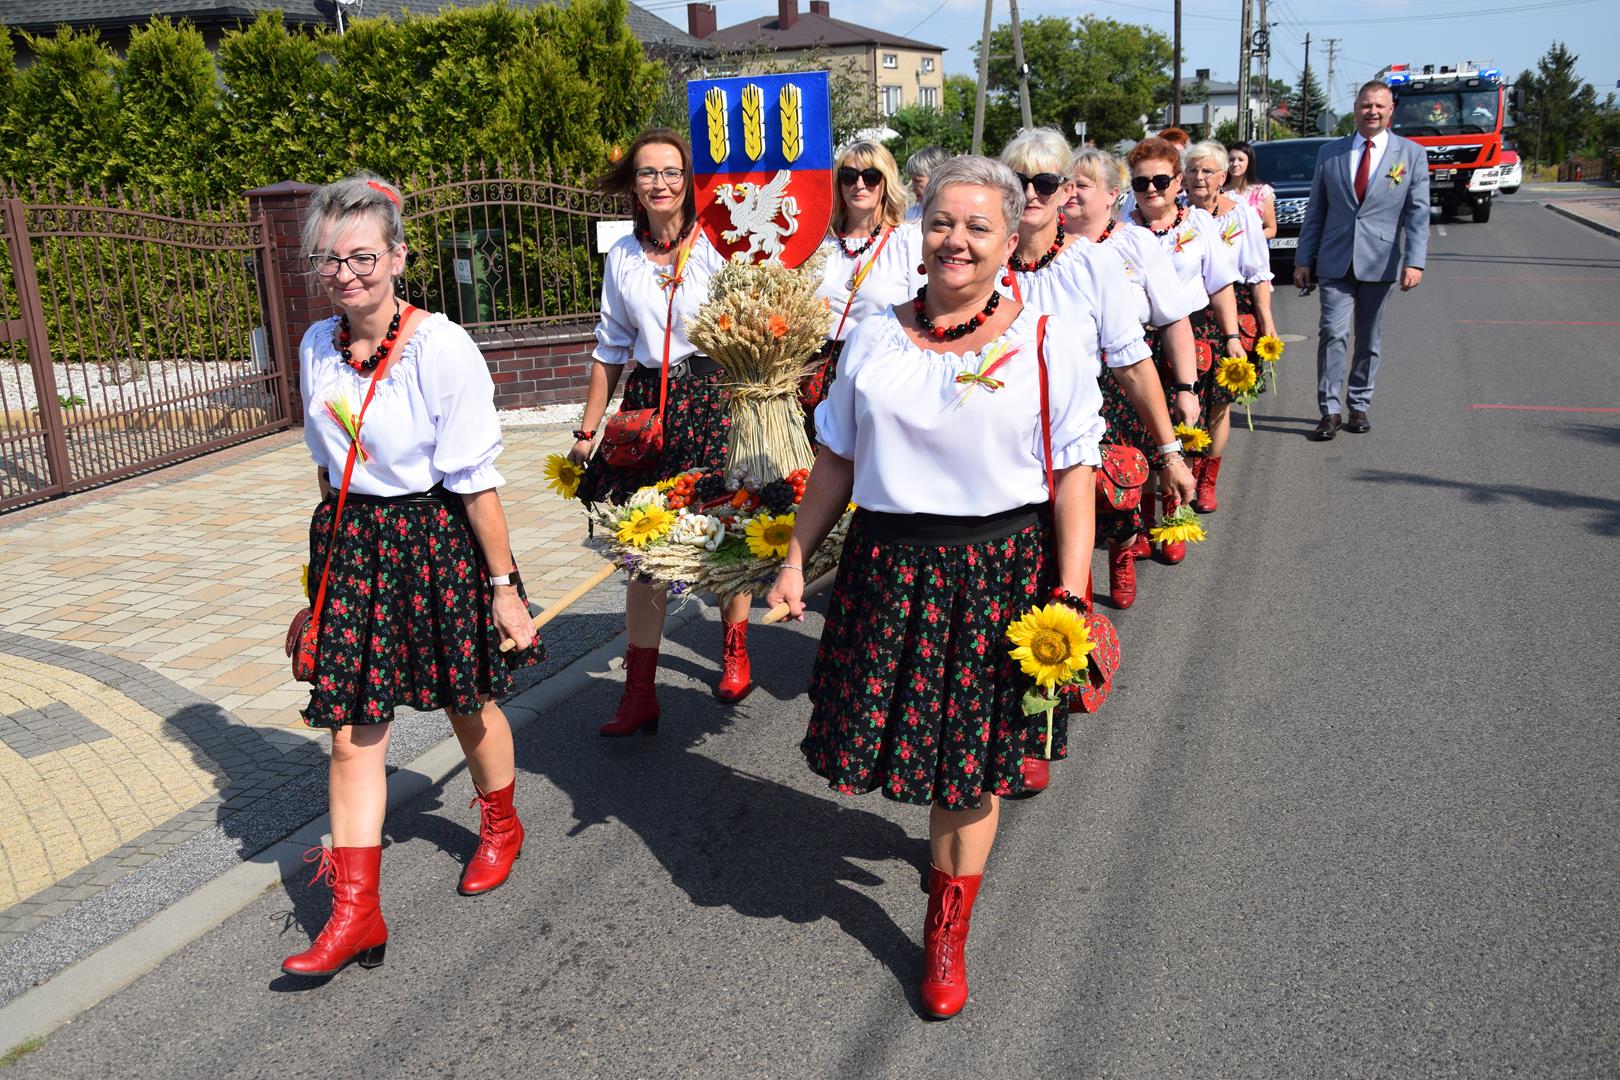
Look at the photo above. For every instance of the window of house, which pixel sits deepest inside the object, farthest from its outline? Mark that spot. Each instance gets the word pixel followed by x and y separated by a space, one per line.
pixel 891 100
pixel 928 65
pixel 891 60
pixel 928 97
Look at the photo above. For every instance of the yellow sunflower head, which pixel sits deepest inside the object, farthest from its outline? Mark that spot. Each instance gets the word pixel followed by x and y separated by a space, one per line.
pixel 1052 644
pixel 644 524
pixel 768 535
pixel 1194 440
pixel 562 475
pixel 1269 349
pixel 1182 526
pixel 1236 374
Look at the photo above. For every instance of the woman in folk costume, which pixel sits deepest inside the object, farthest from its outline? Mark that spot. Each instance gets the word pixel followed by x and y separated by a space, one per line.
pixel 417 587
pixel 867 257
pixel 1057 271
pixel 1241 230
pixel 965 426
pixel 652 282
pixel 1206 267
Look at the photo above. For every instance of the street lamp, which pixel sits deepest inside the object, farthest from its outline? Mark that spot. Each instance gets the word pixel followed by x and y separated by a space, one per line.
pixel 341 5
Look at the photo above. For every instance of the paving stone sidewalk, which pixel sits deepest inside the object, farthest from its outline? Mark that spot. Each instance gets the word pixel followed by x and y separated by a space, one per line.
pixel 144 696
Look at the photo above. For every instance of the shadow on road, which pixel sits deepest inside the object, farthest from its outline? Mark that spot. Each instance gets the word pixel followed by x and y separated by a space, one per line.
pixel 1282 425
pixel 1606 522
pixel 1595 433
pixel 1497 259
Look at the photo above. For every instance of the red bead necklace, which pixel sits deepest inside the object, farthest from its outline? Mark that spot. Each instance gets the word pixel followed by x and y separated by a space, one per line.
pixel 961 329
pixel 863 249
pixel 644 234
pixel 345 337
pixel 1015 265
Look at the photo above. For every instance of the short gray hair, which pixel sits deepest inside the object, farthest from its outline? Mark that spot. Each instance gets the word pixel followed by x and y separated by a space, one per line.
pixel 925 161
pixel 1208 150
pixel 354 196
pixel 1037 150
pixel 971 171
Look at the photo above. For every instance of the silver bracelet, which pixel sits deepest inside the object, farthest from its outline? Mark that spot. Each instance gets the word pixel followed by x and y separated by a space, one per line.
pixel 792 566
pixel 1168 448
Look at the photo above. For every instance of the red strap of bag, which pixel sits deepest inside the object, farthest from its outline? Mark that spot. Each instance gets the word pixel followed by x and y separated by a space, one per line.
pixel 1046 411
pixel 343 490
pixel 860 279
pixel 679 272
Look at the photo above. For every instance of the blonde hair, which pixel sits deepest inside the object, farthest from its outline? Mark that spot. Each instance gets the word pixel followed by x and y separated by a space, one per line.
pixel 357 196
pixel 1208 150
pixel 870 155
pixel 1037 150
pixel 1098 166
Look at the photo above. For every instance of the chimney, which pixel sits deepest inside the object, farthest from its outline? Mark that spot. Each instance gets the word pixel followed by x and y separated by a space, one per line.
pixel 1202 75
pixel 822 8
pixel 787 13
pixel 700 20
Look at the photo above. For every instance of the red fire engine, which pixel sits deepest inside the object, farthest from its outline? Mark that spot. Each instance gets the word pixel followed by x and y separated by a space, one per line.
pixel 1457 114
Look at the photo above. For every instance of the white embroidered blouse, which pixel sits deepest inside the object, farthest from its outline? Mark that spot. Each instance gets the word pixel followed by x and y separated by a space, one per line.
pixel 884 278
pixel 925 443
pixel 1088 287
pixel 1203 263
pixel 1241 229
pixel 431 420
pixel 635 306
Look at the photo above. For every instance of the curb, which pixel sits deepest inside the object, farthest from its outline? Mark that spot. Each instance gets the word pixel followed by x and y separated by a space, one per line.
pixel 1609 230
pixel 41 1010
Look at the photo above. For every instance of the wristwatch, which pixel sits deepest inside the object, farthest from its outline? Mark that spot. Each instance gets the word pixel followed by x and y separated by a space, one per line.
pixel 514 579
pixel 1184 387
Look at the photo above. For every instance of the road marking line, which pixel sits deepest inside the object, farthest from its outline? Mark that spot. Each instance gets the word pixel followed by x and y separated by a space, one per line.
pixel 1442 229
pixel 1529 322
pixel 1546 408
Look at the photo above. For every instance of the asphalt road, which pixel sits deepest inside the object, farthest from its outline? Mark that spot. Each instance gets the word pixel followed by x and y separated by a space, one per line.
pixel 1352 811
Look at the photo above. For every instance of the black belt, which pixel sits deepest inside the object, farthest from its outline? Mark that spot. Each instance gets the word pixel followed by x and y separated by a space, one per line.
pixel 436 494
pixel 696 364
pixel 949 530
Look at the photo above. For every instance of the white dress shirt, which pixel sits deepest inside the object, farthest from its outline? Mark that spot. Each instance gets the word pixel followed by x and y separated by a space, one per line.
pixel 1380 143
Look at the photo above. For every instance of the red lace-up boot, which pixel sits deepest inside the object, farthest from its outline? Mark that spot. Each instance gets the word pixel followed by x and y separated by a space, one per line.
pixel 734 670
pixel 1121 575
pixel 1142 546
pixel 500 842
pixel 638 705
pixel 950 907
pixel 355 930
pixel 1037 773
pixel 1173 552
pixel 1208 469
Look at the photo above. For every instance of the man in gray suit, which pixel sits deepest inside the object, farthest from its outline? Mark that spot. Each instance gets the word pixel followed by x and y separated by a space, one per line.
pixel 1369 188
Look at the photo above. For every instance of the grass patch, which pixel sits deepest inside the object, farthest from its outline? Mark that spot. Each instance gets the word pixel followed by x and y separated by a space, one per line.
pixel 21 1050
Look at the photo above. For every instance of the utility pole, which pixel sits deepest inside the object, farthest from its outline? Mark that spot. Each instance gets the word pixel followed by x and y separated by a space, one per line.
pixel 1333 51
pixel 1305 93
pixel 1023 68
pixel 1175 80
pixel 984 80
pixel 1262 45
pixel 1243 74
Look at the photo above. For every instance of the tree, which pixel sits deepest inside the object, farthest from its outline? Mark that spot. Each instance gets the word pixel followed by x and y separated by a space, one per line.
pixel 950 125
pixel 1104 72
pixel 271 124
pixel 1560 110
pixel 64 112
pixel 170 104
pixel 1306 102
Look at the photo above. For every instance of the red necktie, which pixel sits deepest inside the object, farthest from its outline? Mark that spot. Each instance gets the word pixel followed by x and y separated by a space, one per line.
pixel 1362 170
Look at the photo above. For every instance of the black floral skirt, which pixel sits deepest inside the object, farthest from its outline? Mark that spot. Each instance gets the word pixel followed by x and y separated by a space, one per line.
pixel 1126 426
pixel 407 617
pixel 697 421
pixel 914 692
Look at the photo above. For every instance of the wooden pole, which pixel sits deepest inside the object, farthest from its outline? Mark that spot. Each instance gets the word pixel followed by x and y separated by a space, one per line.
pixel 1243 125
pixel 566 600
pixel 780 611
pixel 984 80
pixel 1175 81
pixel 1023 68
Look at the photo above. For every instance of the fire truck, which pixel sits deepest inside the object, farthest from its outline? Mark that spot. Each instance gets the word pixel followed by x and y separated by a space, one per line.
pixel 1457 114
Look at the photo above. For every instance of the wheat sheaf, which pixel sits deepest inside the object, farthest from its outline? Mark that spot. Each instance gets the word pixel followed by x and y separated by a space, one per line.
pixel 714 106
pixel 753 116
pixel 791 103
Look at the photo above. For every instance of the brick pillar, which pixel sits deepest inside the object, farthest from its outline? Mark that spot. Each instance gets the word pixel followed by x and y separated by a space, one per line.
pixel 299 300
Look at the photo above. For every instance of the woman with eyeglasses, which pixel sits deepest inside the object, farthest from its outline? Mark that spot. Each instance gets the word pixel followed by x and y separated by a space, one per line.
pixel 1161 307
pixel 1056 271
pixel 411 567
pixel 1241 230
pixel 965 426
pixel 653 281
pixel 867 258
pixel 1244 181
pixel 1207 269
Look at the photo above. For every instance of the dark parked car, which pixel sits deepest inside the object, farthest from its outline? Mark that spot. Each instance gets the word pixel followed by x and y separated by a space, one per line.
pixel 1288 165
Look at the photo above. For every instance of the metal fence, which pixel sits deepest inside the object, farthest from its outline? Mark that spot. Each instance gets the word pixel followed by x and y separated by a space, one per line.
pixel 132 334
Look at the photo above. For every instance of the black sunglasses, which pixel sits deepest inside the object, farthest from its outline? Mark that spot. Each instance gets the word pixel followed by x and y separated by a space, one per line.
pixel 1139 184
pixel 848 174
pixel 1044 183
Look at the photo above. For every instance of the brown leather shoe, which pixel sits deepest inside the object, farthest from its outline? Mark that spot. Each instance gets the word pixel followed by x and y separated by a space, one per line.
pixel 1357 422
pixel 1328 428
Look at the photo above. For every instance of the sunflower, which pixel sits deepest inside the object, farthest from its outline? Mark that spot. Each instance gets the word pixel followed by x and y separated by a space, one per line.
pixel 1052 644
pixel 563 476
pixel 1269 348
pixel 1180 527
pixel 645 523
pixel 1194 440
pixel 1236 374
pixel 768 535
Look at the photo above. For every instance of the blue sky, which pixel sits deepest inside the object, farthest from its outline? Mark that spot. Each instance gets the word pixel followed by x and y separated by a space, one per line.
pixel 1511 35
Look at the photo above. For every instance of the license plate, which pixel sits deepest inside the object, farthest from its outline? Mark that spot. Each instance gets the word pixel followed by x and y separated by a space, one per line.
pixel 1443 174
pixel 1284 242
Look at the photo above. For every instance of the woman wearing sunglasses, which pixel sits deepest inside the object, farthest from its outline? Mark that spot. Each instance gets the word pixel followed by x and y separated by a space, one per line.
pixel 1162 305
pixel 1056 271
pixel 939 429
pixel 1207 269
pixel 867 258
pixel 1242 231
pixel 413 578
pixel 652 282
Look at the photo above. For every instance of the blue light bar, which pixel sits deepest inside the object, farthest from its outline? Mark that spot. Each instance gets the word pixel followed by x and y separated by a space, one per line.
pixel 1492 73
pixel 1399 78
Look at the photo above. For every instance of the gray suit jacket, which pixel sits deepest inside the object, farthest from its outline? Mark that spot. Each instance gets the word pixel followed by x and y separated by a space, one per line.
pixel 1339 234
